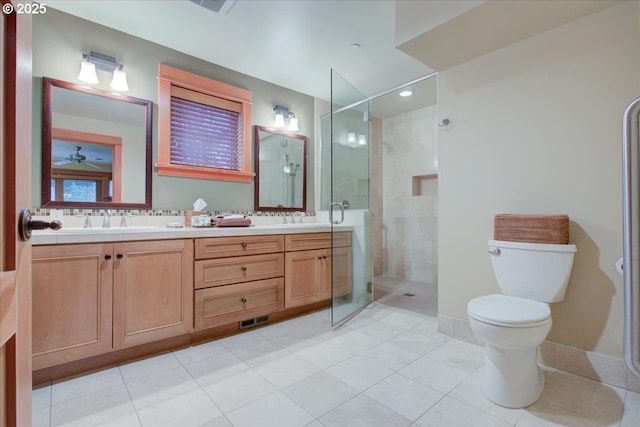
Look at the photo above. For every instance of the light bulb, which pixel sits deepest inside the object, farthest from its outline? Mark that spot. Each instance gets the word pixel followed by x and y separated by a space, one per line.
pixel 119 81
pixel 351 137
pixel 362 140
pixel 88 73
pixel 293 124
pixel 279 122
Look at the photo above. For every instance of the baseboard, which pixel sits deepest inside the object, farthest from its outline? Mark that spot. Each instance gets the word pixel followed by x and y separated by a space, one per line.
pixel 595 366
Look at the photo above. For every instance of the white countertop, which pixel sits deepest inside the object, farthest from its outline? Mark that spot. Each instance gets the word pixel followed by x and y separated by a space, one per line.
pixel 118 234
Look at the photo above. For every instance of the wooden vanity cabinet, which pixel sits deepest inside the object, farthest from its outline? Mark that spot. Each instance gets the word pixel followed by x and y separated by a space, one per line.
pixel 309 261
pixel 152 291
pixel 72 300
pixel 340 264
pixel 90 299
pixel 237 278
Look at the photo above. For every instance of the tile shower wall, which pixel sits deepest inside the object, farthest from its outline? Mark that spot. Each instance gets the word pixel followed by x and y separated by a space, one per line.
pixel 409 188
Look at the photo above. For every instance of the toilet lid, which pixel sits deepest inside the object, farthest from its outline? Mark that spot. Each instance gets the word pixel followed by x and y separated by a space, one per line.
pixel 507 310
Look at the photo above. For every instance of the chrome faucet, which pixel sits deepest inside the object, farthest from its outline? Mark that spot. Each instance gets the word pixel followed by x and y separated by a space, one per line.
pixel 87 220
pixel 123 220
pixel 106 223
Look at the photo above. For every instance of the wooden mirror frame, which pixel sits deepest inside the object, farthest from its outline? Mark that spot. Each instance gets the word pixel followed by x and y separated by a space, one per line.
pixel 256 140
pixel 47 139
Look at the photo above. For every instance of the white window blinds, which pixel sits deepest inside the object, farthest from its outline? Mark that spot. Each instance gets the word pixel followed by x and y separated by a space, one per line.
pixel 206 130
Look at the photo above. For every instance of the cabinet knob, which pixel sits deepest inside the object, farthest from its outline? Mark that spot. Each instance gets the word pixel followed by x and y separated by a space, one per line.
pixel 244 245
pixel 324 257
pixel 319 257
pixel 107 257
pixel 243 268
pixel 119 256
pixel 244 300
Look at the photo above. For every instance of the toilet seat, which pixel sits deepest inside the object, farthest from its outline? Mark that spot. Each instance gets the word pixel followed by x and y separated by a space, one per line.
pixel 508 311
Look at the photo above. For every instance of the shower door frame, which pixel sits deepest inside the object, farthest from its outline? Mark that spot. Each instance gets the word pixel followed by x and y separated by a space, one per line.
pixel 631 235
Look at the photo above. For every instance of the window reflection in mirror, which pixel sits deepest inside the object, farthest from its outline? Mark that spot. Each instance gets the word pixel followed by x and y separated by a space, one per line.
pixel 280 170
pixel 83 171
pixel 96 148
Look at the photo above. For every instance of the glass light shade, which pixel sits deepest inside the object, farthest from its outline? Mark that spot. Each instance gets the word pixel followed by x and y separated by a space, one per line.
pixel 88 73
pixel 119 81
pixel 293 124
pixel 362 140
pixel 351 137
pixel 279 122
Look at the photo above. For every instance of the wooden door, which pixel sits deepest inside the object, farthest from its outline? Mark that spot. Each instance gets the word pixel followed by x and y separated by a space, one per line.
pixel 152 291
pixel 15 191
pixel 72 288
pixel 302 277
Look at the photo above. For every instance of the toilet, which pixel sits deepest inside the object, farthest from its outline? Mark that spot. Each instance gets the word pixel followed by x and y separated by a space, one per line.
pixel 513 324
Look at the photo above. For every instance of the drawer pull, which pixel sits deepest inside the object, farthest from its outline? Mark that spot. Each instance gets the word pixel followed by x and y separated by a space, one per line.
pixel 244 245
pixel 107 257
pixel 324 257
pixel 319 257
pixel 119 256
pixel 244 300
pixel 243 268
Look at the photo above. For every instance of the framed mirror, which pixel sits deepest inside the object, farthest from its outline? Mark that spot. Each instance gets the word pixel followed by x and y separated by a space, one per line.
pixel 281 170
pixel 96 148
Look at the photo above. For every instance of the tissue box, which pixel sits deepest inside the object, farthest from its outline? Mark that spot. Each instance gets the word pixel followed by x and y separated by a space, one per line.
pixel 190 214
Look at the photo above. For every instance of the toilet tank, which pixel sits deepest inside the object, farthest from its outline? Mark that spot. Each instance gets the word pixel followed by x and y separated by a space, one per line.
pixel 534 271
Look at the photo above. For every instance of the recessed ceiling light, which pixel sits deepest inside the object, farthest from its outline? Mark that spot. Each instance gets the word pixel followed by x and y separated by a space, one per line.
pixel 406 93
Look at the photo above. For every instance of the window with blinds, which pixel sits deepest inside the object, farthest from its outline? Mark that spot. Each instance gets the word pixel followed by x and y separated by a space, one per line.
pixel 204 128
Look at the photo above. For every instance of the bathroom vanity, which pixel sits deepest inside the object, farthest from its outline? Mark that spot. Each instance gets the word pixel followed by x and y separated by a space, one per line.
pixel 101 297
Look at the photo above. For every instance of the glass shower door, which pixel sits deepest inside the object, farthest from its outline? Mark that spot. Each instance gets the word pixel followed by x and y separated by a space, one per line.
pixel 351 267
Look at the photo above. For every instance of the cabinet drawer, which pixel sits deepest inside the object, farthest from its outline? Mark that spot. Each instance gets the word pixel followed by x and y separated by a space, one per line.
pixel 226 304
pixel 222 247
pixel 224 271
pixel 307 241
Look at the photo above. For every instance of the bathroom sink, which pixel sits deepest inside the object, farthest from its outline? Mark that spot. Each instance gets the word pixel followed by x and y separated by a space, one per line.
pixel 131 229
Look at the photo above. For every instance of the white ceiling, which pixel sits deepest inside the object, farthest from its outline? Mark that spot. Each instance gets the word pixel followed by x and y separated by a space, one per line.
pixel 292 43
pixel 295 43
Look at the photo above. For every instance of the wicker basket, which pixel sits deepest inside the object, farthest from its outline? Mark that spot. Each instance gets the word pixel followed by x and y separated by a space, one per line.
pixel 531 228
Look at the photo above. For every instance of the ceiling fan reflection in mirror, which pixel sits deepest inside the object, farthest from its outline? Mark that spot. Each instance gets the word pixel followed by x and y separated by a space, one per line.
pixel 76 158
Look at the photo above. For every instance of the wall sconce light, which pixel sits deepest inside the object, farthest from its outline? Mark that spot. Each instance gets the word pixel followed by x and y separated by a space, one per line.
pixel 105 63
pixel 354 140
pixel 283 112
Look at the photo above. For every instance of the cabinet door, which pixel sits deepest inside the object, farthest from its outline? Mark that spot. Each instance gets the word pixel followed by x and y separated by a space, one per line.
pixel 72 291
pixel 153 291
pixel 302 278
pixel 337 269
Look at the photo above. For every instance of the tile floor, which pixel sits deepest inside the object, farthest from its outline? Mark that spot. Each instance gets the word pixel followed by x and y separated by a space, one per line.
pixel 407 294
pixel 388 366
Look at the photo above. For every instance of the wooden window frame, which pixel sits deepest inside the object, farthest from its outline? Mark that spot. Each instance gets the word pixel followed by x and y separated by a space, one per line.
pixel 169 76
